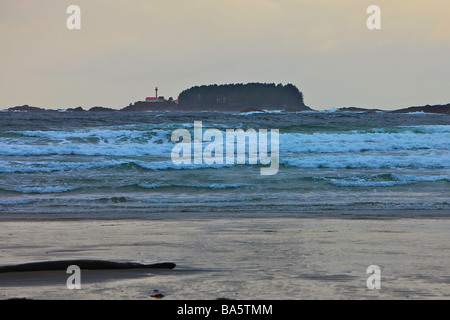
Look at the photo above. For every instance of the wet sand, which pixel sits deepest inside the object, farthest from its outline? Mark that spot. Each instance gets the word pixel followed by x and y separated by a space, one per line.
pixel 252 257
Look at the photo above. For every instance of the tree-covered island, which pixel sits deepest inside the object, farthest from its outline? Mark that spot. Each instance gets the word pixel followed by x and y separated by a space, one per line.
pixel 242 97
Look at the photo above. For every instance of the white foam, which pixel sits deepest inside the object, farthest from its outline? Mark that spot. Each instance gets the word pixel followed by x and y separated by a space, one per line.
pixel 363 183
pixel 16 202
pixel 357 141
pixel 428 129
pixel 382 180
pixel 206 186
pixel 273 111
pixel 50 166
pixel 41 190
pixel 415 178
pixel 248 113
pixel 368 161
pixel 165 165
pixel 125 149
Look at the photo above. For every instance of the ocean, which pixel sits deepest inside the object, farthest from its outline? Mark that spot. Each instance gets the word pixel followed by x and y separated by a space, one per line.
pixel 118 164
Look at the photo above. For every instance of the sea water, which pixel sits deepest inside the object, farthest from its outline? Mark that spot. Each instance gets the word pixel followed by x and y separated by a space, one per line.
pixel 94 164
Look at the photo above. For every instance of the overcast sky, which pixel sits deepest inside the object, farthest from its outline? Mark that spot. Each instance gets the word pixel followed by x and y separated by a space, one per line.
pixel 126 48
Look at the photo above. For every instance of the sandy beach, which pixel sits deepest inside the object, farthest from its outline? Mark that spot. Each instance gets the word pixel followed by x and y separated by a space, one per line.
pixel 252 256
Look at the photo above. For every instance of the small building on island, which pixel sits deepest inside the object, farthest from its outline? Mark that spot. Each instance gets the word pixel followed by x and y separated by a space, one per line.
pixel 156 99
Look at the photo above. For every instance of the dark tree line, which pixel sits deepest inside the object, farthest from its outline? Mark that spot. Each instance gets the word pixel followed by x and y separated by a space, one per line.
pixel 251 95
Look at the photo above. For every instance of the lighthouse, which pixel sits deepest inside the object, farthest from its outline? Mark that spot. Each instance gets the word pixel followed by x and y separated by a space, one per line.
pixel 155 99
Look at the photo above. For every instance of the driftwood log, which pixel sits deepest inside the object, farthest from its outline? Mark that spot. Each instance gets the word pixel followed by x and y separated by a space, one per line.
pixel 83 265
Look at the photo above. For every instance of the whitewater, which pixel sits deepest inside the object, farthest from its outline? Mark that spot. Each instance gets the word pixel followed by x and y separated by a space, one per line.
pixel 121 162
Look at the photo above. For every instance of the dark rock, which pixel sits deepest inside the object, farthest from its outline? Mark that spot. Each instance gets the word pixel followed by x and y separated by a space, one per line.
pixel 27 108
pixel 78 109
pixel 142 106
pixel 355 109
pixel 101 109
pixel 427 109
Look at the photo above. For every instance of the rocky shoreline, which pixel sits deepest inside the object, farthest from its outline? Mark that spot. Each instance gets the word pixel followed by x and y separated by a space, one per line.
pixel 141 106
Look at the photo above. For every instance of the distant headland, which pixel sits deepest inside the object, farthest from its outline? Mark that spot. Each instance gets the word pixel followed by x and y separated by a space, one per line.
pixel 239 97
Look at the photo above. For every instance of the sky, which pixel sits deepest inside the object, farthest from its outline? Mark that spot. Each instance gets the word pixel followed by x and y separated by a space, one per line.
pixel 125 49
